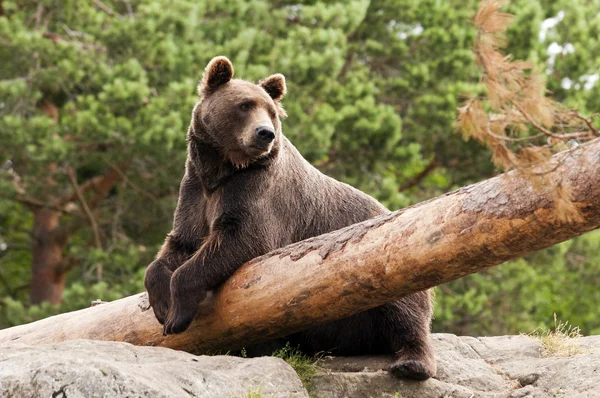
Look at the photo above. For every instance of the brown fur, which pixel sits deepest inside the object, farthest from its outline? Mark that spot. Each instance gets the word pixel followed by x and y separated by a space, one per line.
pixel 242 197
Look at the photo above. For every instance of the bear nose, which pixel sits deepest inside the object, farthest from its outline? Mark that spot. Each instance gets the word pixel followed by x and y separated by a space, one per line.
pixel 265 134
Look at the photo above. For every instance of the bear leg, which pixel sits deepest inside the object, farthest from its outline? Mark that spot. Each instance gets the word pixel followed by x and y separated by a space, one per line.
pixel 186 294
pixel 407 329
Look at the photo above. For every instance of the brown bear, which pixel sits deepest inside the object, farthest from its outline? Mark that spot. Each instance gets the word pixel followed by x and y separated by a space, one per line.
pixel 246 191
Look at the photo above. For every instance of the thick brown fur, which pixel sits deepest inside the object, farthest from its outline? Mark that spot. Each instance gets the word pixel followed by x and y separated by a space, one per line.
pixel 247 191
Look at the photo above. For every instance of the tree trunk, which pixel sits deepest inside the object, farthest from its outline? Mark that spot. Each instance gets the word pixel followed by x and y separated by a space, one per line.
pixel 47 273
pixel 359 267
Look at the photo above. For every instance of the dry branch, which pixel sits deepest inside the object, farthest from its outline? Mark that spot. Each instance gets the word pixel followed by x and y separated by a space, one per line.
pixel 359 267
pixel 84 205
pixel 516 111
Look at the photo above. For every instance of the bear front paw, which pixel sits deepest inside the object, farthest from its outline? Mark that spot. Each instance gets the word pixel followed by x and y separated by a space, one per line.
pixel 411 369
pixel 158 285
pixel 179 319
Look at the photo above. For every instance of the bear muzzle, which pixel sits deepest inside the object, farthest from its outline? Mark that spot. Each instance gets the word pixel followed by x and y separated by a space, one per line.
pixel 263 137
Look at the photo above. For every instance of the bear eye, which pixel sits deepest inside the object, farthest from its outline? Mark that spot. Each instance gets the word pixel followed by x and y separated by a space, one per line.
pixel 245 106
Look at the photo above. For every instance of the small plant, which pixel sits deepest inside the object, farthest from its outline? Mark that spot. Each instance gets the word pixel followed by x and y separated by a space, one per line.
pixel 255 394
pixel 302 364
pixel 558 342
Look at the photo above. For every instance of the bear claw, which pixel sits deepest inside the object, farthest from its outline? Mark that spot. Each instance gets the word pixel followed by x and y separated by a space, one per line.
pixel 178 322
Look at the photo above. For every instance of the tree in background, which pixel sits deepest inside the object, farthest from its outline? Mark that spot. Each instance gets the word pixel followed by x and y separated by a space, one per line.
pixel 96 96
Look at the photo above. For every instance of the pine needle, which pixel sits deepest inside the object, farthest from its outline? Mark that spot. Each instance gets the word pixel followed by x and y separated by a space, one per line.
pixel 516 119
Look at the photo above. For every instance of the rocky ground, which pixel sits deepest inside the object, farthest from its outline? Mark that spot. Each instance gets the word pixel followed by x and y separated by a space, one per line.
pixel 507 366
pixel 469 367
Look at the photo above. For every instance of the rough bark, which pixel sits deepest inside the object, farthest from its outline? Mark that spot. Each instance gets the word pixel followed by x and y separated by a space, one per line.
pixel 359 267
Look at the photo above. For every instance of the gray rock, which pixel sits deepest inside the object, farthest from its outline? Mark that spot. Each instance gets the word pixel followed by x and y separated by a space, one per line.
pixel 86 369
pixel 468 367
pixel 488 367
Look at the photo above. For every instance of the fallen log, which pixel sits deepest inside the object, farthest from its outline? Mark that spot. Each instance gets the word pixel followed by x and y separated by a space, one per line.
pixel 359 267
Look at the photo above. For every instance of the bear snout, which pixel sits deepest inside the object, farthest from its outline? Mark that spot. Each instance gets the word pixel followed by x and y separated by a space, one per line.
pixel 263 136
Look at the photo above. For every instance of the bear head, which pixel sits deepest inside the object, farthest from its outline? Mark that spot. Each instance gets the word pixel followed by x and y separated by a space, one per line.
pixel 240 119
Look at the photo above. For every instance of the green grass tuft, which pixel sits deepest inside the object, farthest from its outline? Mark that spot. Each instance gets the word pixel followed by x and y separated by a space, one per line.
pixel 255 394
pixel 302 364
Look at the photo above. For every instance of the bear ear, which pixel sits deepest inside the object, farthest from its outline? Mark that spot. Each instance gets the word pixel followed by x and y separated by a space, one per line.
pixel 218 72
pixel 274 85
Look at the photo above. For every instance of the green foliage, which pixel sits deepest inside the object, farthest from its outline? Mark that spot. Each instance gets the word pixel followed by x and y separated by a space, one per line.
pixel 122 278
pixel 373 88
pixel 523 294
